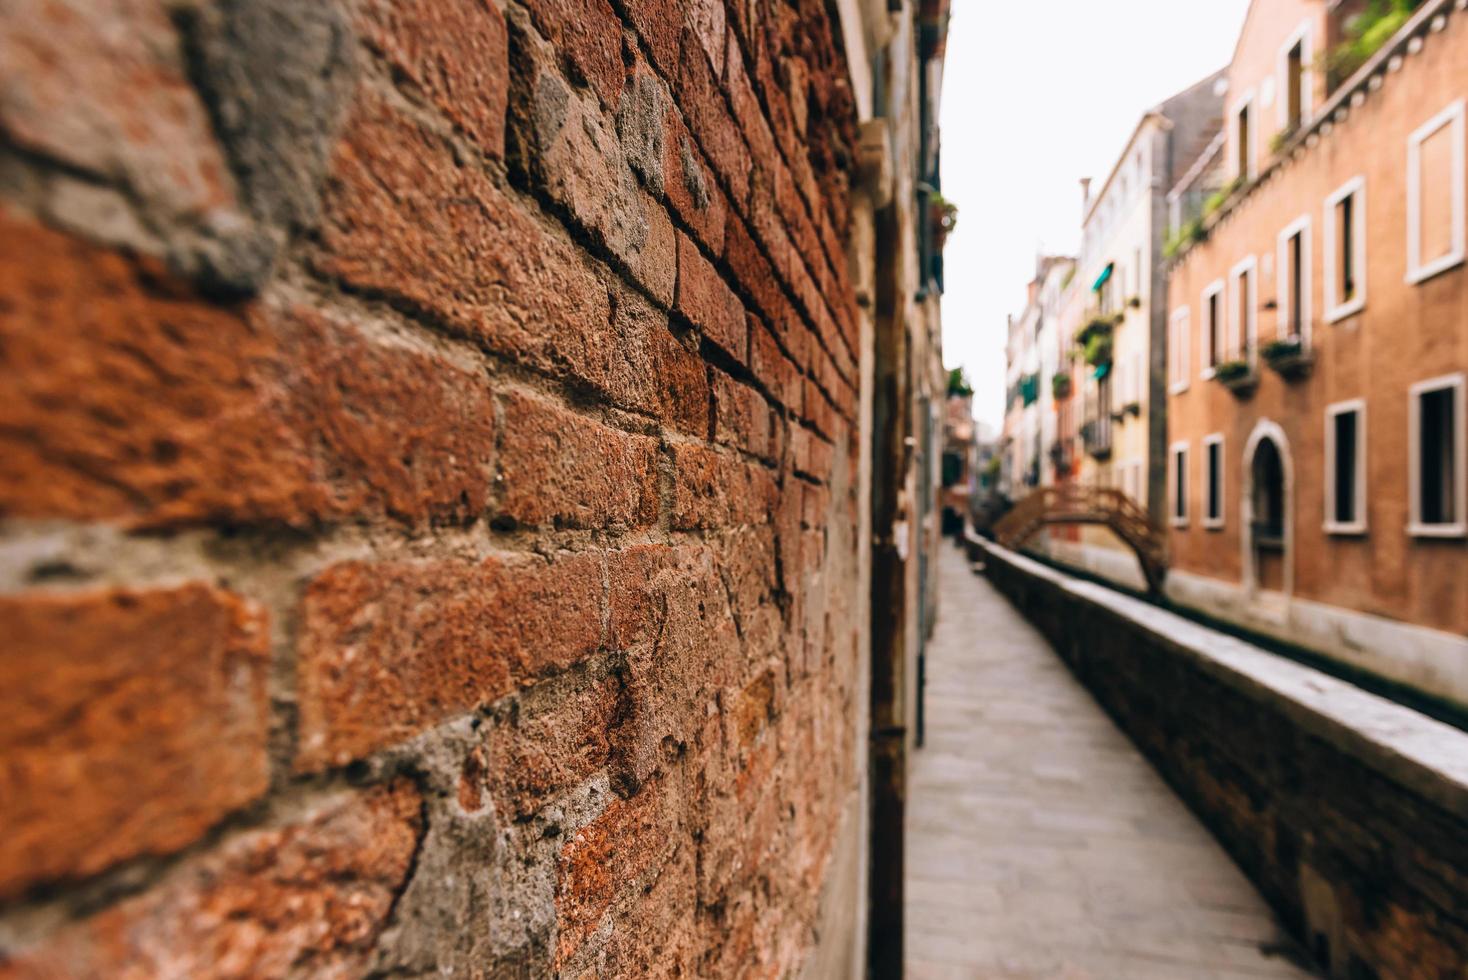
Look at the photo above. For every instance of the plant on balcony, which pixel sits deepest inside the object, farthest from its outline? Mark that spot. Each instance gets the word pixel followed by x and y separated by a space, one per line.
pixel 944 216
pixel 1289 357
pixel 1184 238
pixel 1219 198
pixel 1366 34
pixel 958 384
pixel 1060 386
pixel 1237 376
pixel 1278 141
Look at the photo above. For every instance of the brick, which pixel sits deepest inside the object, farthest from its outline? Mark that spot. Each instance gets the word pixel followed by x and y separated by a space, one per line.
pixel 456 52
pixel 669 610
pixel 135 400
pixel 742 418
pixel 708 303
pixel 389 649
pixel 772 367
pixel 551 738
pixel 310 897
pixel 388 428
pixel 663 152
pixel 574 153
pixel 651 370
pixel 617 854
pixel 754 274
pixel 130 398
pixel 706 22
pixel 138 720
pixel 557 467
pixel 717 490
pixel 588 35
pixel 405 222
pixel 660 25
pixel 100 84
pixel 708 117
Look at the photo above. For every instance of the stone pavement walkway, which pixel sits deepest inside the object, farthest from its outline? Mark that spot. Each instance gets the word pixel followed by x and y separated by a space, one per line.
pixel 1040 843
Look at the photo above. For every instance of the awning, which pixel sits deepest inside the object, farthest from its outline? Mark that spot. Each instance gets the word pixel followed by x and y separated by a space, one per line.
pixel 1102 370
pixel 1105 275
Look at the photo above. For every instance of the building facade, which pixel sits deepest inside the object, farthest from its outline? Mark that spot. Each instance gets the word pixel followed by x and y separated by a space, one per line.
pixel 1318 345
pixel 1116 315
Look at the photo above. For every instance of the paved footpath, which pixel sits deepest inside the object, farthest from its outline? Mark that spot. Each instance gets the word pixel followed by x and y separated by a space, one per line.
pixel 1040 843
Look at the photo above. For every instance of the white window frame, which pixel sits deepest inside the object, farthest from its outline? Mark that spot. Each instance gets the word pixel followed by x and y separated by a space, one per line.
pixel 1242 324
pixel 1358 526
pixel 1214 523
pixel 1249 102
pixel 1300 226
pixel 1335 310
pixel 1304 37
pixel 1215 288
pixel 1417 272
pixel 1177 497
pixel 1415 527
pixel 1178 352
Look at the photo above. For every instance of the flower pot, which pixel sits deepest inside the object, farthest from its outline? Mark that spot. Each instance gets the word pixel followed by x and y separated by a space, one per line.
pixel 1289 359
pixel 1239 377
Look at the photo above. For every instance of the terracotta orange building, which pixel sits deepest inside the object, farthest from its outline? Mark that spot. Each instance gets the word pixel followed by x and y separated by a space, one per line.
pixel 1318 342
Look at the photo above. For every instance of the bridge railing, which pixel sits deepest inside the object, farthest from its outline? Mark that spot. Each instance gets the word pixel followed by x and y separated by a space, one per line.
pixel 1071 503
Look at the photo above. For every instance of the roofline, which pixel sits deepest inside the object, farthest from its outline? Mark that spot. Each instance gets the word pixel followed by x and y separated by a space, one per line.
pixel 1157 113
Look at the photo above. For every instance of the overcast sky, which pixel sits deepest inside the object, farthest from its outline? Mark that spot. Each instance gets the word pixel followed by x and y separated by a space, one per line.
pixel 1035 97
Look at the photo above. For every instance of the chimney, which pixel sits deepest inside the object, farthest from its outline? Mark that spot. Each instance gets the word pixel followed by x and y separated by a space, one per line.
pixel 1085 196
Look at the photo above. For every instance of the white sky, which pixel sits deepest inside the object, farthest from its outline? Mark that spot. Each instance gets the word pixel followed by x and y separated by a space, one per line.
pixel 1037 95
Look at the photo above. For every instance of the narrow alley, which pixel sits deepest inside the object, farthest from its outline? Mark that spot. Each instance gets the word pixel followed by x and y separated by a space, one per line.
pixel 1040 842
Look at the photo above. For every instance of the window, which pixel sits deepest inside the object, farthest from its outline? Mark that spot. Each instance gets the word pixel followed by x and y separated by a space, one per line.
pixel 1294 85
pixel 1345 251
pixel 1177 479
pixel 1345 468
pixel 1244 137
pixel 1212 338
pixel 1177 351
pixel 1243 311
pixel 1438 468
pixel 1435 195
pixel 1294 281
pixel 1213 481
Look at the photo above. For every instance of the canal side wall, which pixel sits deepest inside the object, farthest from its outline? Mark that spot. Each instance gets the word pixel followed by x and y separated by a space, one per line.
pixel 1349 812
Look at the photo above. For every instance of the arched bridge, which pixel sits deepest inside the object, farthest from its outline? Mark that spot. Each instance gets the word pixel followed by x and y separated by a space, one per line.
pixel 1070 504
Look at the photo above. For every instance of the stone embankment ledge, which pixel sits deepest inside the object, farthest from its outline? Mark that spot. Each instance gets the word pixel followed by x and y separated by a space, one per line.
pixel 1348 811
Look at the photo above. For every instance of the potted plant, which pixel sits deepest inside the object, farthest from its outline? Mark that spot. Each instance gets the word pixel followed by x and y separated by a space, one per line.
pixel 1097 349
pixel 1288 357
pixel 1238 376
pixel 1060 386
pixel 944 216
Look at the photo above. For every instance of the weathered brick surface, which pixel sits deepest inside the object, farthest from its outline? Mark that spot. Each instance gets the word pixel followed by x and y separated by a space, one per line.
pixel 136 401
pixel 308 898
pixel 455 51
pixel 482 366
pixel 562 469
pixel 388 649
pixel 137 721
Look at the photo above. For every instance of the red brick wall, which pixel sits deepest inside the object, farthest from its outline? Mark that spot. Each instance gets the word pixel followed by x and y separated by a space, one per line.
pixel 428 479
